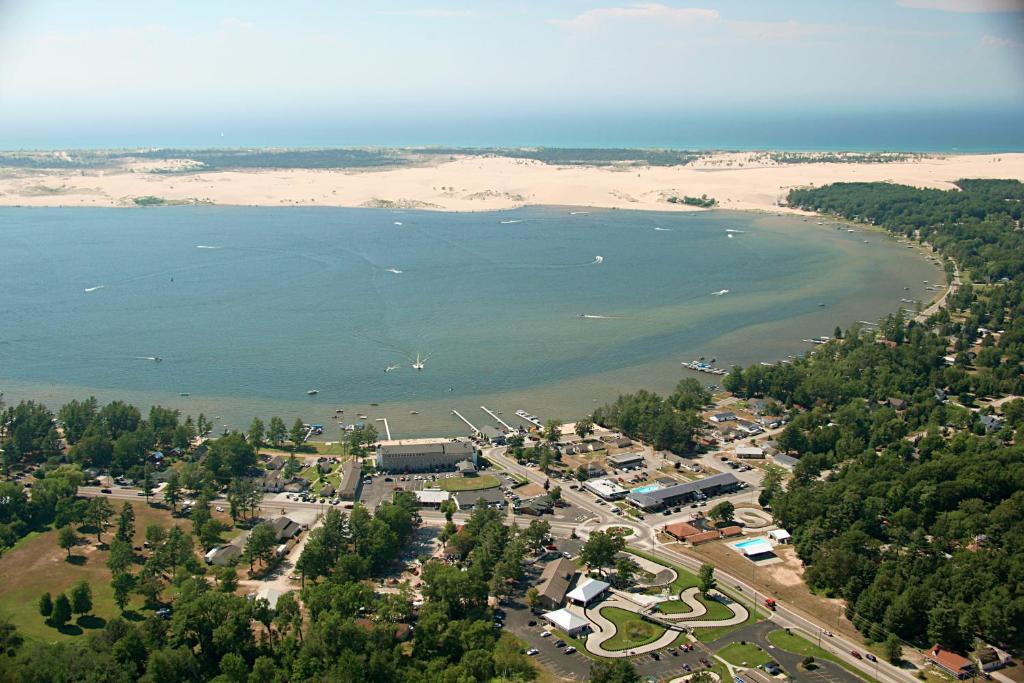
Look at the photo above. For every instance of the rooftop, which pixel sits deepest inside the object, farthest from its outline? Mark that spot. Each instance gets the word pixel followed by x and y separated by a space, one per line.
pixel 566 620
pixel 588 589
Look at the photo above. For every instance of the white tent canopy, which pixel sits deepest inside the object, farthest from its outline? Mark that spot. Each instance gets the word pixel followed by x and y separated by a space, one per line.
pixel 780 535
pixel 565 620
pixel 587 590
pixel 758 547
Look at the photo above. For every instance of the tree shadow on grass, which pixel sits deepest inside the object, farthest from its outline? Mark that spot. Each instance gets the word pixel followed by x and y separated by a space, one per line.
pixel 132 615
pixel 70 630
pixel 77 560
pixel 91 621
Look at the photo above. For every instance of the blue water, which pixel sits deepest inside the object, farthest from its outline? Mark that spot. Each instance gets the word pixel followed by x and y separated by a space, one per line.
pixel 646 489
pixel 296 299
pixel 951 130
pixel 745 544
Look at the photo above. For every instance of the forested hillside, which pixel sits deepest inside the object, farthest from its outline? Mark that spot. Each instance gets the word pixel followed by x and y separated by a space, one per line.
pixel 918 520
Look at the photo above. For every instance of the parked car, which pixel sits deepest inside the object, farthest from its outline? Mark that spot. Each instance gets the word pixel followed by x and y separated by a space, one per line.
pixel 569 650
pixel 105 491
pixel 870 657
pixel 545 634
pixel 559 643
pixel 855 654
pixel 532 651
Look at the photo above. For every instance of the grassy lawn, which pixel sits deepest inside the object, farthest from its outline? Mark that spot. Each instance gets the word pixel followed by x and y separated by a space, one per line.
pixel 748 654
pixel 674 607
pixel 38 565
pixel 477 483
pixel 790 642
pixel 630 630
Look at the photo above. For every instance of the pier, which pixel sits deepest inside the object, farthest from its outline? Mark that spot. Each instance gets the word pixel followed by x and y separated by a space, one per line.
pixel 500 421
pixel 463 418
pixel 387 430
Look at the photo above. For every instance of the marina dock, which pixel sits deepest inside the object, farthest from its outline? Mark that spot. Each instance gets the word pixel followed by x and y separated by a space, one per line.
pixel 495 416
pixel 387 430
pixel 463 418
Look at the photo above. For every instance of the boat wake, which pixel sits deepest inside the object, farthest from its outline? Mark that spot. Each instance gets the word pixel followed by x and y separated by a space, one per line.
pixel 578 213
pixel 93 289
pixel 589 316
pixel 396 271
pixel 734 231
pixel 721 292
pixel 155 359
pixel 390 368
pixel 205 246
pixel 399 223
pixel 598 260
pixel 663 229
pixel 511 222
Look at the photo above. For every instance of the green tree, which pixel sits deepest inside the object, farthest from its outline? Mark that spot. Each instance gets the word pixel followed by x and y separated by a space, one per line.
pixel 98 514
pixel 723 512
pixel 67 539
pixel 277 431
pixel 61 614
pixel 893 649
pixel 256 433
pixel 601 548
pixel 260 544
pixel 126 523
pixel 532 598
pixel 448 507
pixel 45 605
pixel 707 579
pixel 120 557
pixel 615 671
pixel 296 433
pixel 123 584
pixel 584 427
pixel 552 431
pixel 172 490
pixel 81 598
pixel 227 579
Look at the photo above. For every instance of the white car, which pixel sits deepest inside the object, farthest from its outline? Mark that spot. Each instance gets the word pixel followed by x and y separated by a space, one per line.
pixel 545 634
pixel 220 508
pixel 533 651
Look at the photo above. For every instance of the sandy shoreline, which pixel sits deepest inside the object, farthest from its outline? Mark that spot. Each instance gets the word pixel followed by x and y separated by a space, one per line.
pixel 737 180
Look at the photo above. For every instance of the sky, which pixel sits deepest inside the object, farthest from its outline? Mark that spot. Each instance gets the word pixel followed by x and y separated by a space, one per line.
pixel 137 72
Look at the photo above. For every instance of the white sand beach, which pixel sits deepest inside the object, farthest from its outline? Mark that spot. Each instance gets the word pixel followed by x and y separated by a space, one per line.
pixel 737 180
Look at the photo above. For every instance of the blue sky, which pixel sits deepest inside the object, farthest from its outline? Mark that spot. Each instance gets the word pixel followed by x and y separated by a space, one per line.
pixel 68 64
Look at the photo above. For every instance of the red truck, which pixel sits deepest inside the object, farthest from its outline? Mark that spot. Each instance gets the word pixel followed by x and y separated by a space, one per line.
pixel 770 603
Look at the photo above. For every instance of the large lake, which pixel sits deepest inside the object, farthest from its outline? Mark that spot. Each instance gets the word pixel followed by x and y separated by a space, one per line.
pixel 249 308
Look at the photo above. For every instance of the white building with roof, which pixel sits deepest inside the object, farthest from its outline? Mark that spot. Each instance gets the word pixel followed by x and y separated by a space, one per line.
pixel 431 497
pixel 780 536
pixel 586 591
pixel 605 488
pixel 566 621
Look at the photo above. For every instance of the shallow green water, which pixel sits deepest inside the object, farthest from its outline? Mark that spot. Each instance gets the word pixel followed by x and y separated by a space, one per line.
pixel 249 308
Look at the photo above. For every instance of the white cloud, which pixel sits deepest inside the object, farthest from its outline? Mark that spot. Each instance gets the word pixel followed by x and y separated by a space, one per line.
pixel 965 6
pixel 999 43
pixel 652 11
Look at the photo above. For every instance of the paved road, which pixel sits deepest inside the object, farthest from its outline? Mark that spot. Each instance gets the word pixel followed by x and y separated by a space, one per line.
pixel 827 672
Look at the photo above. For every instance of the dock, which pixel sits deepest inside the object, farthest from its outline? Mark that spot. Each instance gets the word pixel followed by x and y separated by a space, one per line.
pixel 463 418
pixel 494 415
pixel 387 429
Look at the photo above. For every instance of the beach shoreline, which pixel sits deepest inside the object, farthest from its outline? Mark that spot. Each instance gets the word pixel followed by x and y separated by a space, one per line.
pixel 737 181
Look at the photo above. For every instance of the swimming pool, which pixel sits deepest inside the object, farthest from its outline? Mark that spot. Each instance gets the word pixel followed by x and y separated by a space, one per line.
pixel 646 489
pixel 746 544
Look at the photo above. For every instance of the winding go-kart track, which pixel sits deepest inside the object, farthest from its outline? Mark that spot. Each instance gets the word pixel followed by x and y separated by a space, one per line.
pixel 603 629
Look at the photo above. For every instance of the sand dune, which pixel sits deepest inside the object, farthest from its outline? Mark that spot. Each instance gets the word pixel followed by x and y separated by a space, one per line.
pixel 737 181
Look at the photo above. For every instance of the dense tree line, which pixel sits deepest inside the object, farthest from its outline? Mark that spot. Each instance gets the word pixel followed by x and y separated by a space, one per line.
pixel 345 631
pixel 919 523
pixel 668 424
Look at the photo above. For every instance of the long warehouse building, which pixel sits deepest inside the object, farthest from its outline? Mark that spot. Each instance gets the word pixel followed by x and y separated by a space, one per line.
pixel 423 455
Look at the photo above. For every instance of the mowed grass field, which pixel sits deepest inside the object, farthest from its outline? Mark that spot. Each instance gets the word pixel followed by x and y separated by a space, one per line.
pixel 37 565
pixel 484 481
pixel 630 629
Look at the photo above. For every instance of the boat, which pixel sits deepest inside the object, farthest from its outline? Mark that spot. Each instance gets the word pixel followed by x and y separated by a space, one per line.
pixel 721 292
pixel 420 363
pixel 413 412
pixel 821 305
pixel 374 404
pixel 313 392
pixel 184 394
pixel 361 417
